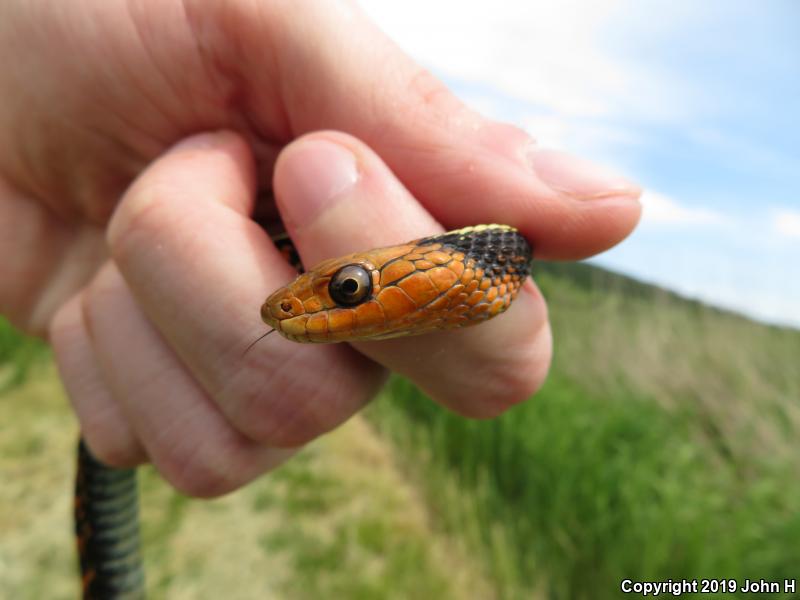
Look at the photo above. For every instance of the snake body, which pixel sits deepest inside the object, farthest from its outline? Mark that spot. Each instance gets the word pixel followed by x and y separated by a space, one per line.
pixel 454 279
pixel 107 530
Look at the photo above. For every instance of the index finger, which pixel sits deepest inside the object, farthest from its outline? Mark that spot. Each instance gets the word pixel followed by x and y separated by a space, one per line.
pixel 200 268
pixel 363 84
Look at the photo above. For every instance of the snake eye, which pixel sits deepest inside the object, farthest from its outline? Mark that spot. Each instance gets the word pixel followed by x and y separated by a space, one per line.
pixel 350 285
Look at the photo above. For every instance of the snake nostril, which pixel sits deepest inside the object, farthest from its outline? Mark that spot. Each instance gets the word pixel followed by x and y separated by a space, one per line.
pixel 286 306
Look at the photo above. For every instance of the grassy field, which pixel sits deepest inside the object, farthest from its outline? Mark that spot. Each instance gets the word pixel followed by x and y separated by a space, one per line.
pixel 338 521
pixel 663 446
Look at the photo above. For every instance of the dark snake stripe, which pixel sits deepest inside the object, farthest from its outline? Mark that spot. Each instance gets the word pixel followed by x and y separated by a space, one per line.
pixel 107 530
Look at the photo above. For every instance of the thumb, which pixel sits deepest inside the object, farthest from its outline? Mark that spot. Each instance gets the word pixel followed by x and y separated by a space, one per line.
pixel 335 70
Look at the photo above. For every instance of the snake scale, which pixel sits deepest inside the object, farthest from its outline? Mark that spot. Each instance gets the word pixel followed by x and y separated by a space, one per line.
pixel 445 281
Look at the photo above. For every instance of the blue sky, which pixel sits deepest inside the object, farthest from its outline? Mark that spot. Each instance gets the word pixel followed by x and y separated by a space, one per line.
pixel 697 101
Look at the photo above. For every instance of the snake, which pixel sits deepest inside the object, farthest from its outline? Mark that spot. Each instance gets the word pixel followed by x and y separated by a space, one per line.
pixel 450 280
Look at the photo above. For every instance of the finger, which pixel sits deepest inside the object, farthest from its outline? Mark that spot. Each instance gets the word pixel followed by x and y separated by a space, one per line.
pixel 200 269
pixel 36 283
pixel 184 433
pixel 336 197
pixel 463 168
pixel 103 424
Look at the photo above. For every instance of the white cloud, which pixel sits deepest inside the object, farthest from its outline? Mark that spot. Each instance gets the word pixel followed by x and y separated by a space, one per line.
pixel 663 210
pixel 549 131
pixel 786 223
pixel 587 137
pixel 553 54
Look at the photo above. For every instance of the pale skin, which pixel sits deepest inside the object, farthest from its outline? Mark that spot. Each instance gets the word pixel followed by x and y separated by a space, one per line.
pixel 137 258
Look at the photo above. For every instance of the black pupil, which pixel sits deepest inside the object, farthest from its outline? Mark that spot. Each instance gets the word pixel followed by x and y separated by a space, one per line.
pixel 349 286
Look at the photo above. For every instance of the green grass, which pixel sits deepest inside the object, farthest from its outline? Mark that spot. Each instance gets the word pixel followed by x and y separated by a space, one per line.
pixel 18 354
pixel 337 521
pixel 663 446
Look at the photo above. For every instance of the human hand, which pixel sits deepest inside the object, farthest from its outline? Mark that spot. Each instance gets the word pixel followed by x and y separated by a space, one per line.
pixel 150 300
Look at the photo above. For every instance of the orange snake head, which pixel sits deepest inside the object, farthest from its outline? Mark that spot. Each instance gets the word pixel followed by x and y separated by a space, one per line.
pixel 450 280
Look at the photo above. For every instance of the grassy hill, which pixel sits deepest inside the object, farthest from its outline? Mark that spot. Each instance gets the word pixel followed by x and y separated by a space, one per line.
pixel 663 446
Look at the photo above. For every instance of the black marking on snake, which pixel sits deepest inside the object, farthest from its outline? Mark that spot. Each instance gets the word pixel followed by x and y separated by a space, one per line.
pixel 107 530
pixel 496 250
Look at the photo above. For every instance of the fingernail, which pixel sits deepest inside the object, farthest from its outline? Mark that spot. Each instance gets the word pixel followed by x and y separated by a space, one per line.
pixel 578 178
pixel 314 176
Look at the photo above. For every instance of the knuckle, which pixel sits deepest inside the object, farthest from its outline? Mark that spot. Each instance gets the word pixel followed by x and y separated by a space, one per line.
pixel 199 471
pixel 497 385
pixel 141 217
pixel 293 418
pixel 95 300
pixel 111 447
pixel 519 377
pixel 431 91
pixel 281 409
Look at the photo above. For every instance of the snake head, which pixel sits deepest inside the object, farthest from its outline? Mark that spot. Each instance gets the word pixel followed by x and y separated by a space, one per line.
pixel 460 278
pixel 322 305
